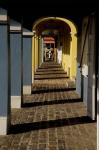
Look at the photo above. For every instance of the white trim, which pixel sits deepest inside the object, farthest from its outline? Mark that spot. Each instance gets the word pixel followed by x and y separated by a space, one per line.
pixel 3 17
pixel 3 14
pixel 15 28
pixel 26 89
pixel 3 125
pixel 27 33
pixel 15 101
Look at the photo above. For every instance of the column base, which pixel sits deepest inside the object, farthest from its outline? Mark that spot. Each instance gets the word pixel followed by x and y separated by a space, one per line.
pixel 15 101
pixel 27 89
pixel 89 114
pixel 4 125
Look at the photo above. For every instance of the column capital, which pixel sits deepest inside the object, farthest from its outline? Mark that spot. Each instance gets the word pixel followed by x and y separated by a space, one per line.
pixel 15 26
pixel 3 16
pixel 27 32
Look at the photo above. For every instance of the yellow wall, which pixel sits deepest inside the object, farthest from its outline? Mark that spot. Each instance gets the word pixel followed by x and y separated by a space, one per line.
pixel 69 54
pixel 69 60
pixel 73 55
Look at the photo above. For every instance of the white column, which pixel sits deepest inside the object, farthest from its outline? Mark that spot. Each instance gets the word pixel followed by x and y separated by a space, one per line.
pixel 4 74
pixel 16 63
pixel 27 61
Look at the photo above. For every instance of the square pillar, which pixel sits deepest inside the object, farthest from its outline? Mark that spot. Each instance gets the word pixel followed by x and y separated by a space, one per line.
pixel 4 74
pixel 27 61
pixel 16 63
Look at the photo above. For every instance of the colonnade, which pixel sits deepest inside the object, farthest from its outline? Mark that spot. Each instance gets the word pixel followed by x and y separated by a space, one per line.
pixel 15 67
pixel 20 56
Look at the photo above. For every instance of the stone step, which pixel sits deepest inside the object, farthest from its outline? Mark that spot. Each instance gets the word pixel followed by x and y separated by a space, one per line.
pixel 49 69
pixel 52 76
pixel 49 72
pixel 50 66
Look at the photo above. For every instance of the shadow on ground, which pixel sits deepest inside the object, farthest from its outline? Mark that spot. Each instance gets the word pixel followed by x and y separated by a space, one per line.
pixel 44 90
pixel 51 102
pixel 27 127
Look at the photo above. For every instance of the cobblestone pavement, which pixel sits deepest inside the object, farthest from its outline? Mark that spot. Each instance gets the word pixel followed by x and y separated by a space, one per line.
pixel 54 119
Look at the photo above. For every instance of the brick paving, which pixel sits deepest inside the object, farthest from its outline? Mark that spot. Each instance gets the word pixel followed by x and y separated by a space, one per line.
pixel 54 119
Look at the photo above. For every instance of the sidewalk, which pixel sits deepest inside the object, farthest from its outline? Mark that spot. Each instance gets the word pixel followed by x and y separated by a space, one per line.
pixel 51 119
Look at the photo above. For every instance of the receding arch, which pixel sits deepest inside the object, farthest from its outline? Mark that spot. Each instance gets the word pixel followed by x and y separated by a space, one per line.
pixel 70 23
pixel 71 67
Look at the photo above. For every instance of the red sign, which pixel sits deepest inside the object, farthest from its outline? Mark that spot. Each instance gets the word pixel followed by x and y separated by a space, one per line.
pixel 49 40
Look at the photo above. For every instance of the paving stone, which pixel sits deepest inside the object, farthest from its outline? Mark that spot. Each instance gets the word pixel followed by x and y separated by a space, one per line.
pixel 42 146
pixel 32 147
pixel 52 147
pixel 52 118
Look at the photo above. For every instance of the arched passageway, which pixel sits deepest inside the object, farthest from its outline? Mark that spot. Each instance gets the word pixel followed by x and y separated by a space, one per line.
pixel 51 97
pixel 65 43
